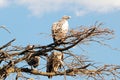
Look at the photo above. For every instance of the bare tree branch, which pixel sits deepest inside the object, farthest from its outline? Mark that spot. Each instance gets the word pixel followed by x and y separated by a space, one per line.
pixel 8 44
pixel 74 65
pixel 5 29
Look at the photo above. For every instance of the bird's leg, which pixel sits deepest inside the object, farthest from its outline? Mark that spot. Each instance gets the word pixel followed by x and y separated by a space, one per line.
pixel 31 67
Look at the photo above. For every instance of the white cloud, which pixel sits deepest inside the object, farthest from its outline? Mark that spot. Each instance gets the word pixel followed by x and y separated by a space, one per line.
pixel 42 6
pixel 101 5
pixel 3 3
pixel 80 13
pixel 79 7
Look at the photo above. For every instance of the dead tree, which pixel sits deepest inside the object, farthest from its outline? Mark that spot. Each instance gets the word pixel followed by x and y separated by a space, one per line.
pixel 73 65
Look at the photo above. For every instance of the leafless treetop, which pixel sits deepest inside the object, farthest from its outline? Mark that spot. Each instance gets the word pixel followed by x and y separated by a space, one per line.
pixel 74 65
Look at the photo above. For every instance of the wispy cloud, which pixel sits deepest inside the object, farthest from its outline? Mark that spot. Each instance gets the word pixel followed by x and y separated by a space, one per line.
pixel 43 6
pixel 101 6
pixel 3 3
pixel 79 7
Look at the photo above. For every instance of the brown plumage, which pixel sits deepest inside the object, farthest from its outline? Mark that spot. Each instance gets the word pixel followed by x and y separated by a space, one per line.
pixel 54 62
pixel 33 61
pixel 60 29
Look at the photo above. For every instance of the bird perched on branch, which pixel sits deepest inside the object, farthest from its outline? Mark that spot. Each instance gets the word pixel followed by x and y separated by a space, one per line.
pixel 60 29
pixel 54 62
pixel 33 61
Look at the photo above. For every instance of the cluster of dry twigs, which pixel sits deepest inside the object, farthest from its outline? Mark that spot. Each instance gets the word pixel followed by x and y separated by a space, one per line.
pixel 74 65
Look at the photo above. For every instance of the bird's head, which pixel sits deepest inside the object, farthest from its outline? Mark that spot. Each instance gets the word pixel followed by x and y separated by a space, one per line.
pixel 66 17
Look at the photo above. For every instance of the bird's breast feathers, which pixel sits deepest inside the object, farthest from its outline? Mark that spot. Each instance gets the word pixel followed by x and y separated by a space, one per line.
pixel 65 25
pixel 60 26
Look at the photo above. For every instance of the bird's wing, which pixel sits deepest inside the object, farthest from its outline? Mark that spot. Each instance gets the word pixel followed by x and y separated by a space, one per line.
pixel 57 30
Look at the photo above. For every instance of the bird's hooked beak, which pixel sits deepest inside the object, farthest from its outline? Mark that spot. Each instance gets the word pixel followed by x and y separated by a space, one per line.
pixel 66 17
pixel 69 17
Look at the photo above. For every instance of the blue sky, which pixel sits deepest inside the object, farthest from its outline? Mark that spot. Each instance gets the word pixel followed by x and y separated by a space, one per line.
pixel 29 21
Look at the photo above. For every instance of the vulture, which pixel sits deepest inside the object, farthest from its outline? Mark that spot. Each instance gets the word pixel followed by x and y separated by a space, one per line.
pixel 33 61
pixel 54 62
pixel 60 29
